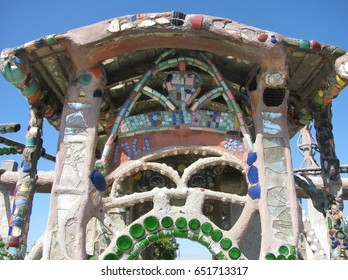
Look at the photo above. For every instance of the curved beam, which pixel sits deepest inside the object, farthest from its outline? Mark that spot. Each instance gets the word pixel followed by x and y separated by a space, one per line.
pixel 211 161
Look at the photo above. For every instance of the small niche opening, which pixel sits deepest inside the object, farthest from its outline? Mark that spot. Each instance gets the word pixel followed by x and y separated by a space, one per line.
pixel 273 97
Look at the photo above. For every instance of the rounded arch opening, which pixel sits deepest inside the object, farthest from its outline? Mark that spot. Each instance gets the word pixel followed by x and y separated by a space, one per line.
pixel 142 234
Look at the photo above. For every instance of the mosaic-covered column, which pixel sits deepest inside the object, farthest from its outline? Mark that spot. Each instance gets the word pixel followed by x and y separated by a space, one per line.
pixel 330 164
pixel 26 185
pixel 6 200
pixel 71 204
pixel 5 212
pixel 272 170
pixel 15 69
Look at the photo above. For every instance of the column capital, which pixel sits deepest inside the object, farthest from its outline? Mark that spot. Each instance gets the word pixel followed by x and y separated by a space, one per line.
pixel 341 68
pixel 88 85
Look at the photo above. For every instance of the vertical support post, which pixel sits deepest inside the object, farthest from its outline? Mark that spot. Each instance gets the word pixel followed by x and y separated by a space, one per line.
pixel 6 199
pixel 5 212
pixel 74 198
pixel 332 183
pixel 313 220
pixel 26 185
pixel 330 165
pixel 272 171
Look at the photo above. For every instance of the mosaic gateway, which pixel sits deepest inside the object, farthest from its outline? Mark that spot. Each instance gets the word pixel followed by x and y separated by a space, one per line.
pixel 175 126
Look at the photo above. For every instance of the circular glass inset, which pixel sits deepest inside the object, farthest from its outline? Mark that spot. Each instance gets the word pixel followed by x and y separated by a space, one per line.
pixel 181 223
pixel 226 243
pixel 151 223
pixel 110 256
pixel 157 181
pixel 194 224
pixel 124 242
pixel 98 180
pixel 85 78
pixel 137 231
pixel 198 181
pixel 283 250
pixel 207 228
pixel 270 256
pixel 167 222
pixel 216 235
pixel 281 257
pixel 234 253
pixel 292 257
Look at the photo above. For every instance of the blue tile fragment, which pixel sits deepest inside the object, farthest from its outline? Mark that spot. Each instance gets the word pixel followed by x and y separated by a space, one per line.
pixel 334 244
pixel 26 167
pixel 252 157
pixel 116 154
pixel 253 175
pixel 255 191
pixel 18 221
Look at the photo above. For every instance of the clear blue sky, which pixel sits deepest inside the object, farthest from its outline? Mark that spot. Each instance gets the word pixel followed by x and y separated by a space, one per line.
pixel 24 21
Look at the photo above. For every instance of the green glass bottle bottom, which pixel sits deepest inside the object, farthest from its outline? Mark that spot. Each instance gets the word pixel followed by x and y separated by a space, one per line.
pixel 124 242
pixel 181 223
pixel 226 243
pixel 234 253
pixel 270 257
pixel 137 231
pixel 207 228
pixel 194 224
pixel 283 250
pixel 110 256
pixel 216 235
pixel 167 222
pixel 151 223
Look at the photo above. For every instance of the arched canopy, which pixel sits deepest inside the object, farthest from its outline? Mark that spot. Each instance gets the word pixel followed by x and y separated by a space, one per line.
pixel 125 46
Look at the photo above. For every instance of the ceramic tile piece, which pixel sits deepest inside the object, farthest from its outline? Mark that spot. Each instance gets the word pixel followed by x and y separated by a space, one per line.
pixel 252 157
pixel 255 191
pixel 196 21
pixel 253 175
pixel 126 26
pixel 272 115
pixel 76 120
pixel 114 26
pixel 162 20
pixel 262 37
pixel 270 127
